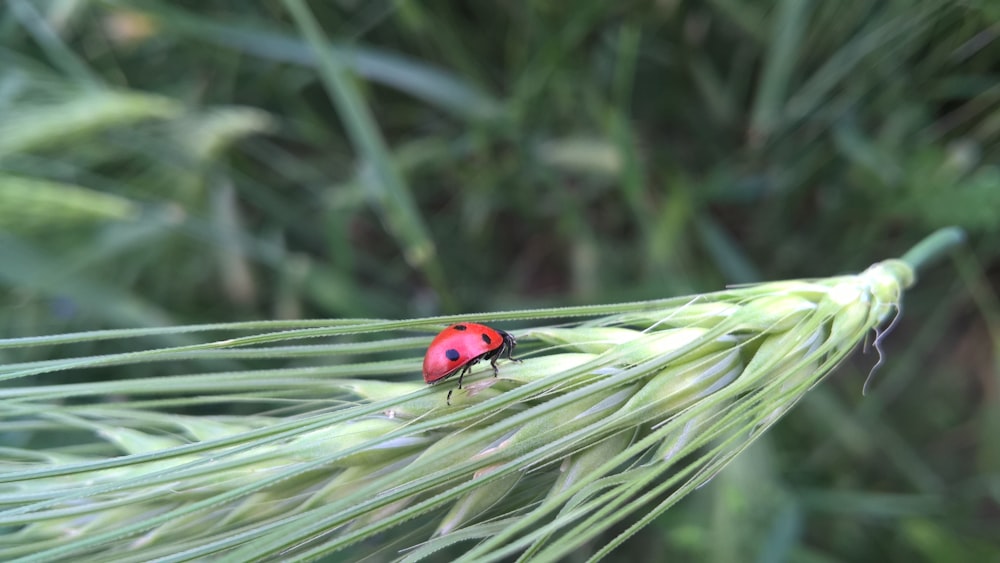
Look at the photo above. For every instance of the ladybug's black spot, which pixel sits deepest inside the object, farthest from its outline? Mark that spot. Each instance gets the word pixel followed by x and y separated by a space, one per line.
pixel 459 327
pixel 452 354
pixel 487 339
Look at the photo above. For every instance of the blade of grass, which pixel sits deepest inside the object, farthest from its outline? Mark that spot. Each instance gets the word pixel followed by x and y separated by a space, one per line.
pixel 77 114
pixel 632 183
pixel 28 266
pixel 727 255
pixel 535 77
pixel 434 85
pixel 747 16
pixel 788 29
pixel 390 191
pixel 53 45
pixel 881 36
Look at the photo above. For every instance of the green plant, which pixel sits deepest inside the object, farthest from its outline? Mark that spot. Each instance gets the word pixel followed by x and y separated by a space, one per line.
pixel 166 164
pixel 631 409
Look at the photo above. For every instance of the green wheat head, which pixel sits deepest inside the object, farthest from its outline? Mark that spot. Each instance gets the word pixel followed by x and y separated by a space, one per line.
pixel 616 413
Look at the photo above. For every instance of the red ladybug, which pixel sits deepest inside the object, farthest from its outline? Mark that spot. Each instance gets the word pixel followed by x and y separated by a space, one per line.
pixel 460 346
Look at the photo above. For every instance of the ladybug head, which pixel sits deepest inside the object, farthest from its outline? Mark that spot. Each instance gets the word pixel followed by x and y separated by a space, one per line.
pixel 509 342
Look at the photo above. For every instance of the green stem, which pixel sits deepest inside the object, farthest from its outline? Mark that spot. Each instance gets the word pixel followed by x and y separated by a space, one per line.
pixel 390 192
pixel 934 247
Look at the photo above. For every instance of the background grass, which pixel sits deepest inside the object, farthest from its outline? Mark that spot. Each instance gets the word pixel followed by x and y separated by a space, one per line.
pixel 182 162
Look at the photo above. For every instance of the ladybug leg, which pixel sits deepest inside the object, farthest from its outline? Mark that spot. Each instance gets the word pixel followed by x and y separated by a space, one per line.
pixel 508 348
pixel 461 374
pixel 510 357
pixel 504 348
pixel 509 351
pixel 500 354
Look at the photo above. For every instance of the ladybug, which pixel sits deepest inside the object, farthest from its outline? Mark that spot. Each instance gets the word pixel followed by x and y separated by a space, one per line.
pixel 457 348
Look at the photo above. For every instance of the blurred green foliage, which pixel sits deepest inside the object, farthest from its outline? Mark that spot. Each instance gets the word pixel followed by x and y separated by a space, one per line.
pixel 179 162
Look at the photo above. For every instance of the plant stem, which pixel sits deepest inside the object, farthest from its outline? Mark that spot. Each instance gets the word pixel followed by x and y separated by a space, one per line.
pixel 934 247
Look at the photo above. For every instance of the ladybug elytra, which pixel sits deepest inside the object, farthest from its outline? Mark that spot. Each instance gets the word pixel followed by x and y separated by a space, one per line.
pixel 460 346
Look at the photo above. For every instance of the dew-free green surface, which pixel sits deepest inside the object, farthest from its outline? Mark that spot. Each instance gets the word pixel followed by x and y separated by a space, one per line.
pixel 175 163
